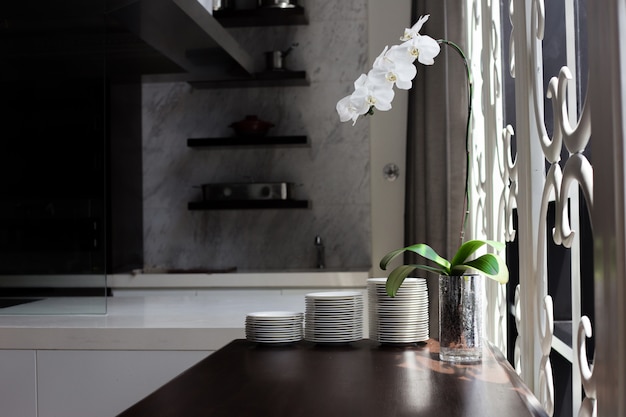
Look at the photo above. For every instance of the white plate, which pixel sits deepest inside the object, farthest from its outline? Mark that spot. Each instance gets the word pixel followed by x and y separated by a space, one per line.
pixel 338 308
pixel 381 286
pixel 408 280
pixel 333 329
pixel 408 293
pixel 333 321
pixel 398 301
pixel 333 338
pixel 413 309
pixel 274 324
pixel 382 289
pixel 352 306
pixel 271 315
pixel 330 314
pixel 411 302
pixel 284 340
pixel 403 340
pixel 409 329
pixel 414 302
pixel 400 319
pixel 275 329
pixel 333 295
pixel 401 337
pixel 329 323
pixel 330 318
pixel 399 314
pixel 339 332
pixel 398 298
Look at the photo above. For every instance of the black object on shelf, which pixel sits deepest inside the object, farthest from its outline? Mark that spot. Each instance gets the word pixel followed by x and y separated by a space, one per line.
pixel 284 78
pixel 261 16
pixel 246 141
pixel 247 204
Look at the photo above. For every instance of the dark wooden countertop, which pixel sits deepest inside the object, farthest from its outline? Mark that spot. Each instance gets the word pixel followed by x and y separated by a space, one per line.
pixel 357 379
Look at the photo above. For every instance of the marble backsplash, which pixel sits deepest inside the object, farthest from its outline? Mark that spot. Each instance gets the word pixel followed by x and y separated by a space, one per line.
pixel 333 173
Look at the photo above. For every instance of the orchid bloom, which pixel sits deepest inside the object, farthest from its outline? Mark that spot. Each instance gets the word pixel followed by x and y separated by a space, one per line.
pixel 423 48
pixel 414 31
pixel 347 110
pixel 373 92
pixel 368 93
pixel 395 68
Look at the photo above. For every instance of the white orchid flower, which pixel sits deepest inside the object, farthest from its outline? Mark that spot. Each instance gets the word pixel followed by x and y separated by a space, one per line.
pixel 394 67
pixel 368 93
pixel 373 92
pixel 347 110
pixel 423 48
pixel 415 30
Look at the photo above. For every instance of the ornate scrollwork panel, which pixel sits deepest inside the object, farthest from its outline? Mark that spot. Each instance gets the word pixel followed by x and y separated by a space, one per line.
pixel 517 353
pixel 546 382
pixel 567 171
pixel 589 407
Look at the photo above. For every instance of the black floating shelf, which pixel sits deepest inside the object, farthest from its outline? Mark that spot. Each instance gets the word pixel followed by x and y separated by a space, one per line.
pixel 247 141
pixel 262 16
pixel 248 204
pixel 278 78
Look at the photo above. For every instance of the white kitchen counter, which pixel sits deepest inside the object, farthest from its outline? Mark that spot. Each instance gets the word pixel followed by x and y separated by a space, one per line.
pixel 204 321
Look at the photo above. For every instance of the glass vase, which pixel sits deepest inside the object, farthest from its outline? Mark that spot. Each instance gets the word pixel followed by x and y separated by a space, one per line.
pixel 461 317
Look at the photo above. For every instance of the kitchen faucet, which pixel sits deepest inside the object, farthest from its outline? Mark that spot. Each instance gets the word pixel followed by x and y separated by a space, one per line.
pixel 320 252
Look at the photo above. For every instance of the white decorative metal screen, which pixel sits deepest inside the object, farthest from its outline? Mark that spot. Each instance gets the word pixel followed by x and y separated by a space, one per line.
pixel 531 149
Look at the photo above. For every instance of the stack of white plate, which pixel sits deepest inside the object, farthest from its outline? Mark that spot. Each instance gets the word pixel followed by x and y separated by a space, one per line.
pixel 401 319
pixel 333 317
pixel 274 326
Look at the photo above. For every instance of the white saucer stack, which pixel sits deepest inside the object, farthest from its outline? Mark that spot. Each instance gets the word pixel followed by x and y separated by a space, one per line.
pixel 274 326
pixel 333 317
pixel 401 319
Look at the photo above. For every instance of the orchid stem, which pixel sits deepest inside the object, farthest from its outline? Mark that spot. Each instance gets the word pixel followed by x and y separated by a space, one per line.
pixel 470 92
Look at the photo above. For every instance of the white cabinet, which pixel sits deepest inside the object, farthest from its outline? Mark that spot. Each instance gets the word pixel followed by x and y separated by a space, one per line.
pixel 103 383
pixel 79 383
pixel 18 390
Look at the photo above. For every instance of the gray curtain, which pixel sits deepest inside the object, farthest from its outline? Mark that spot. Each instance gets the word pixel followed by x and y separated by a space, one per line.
pixel 436 142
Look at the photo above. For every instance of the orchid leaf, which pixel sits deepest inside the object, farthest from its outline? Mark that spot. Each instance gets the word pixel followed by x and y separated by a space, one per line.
pixel 502 276
pixel 420 249
pixel 487 264
pixel 430 254
pixel 389 257
pixel 490 265
pixel 470 247
pixel 466 250
pixel 397 276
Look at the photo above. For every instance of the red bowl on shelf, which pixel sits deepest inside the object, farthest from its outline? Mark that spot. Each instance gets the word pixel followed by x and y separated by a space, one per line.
pixel 251 126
